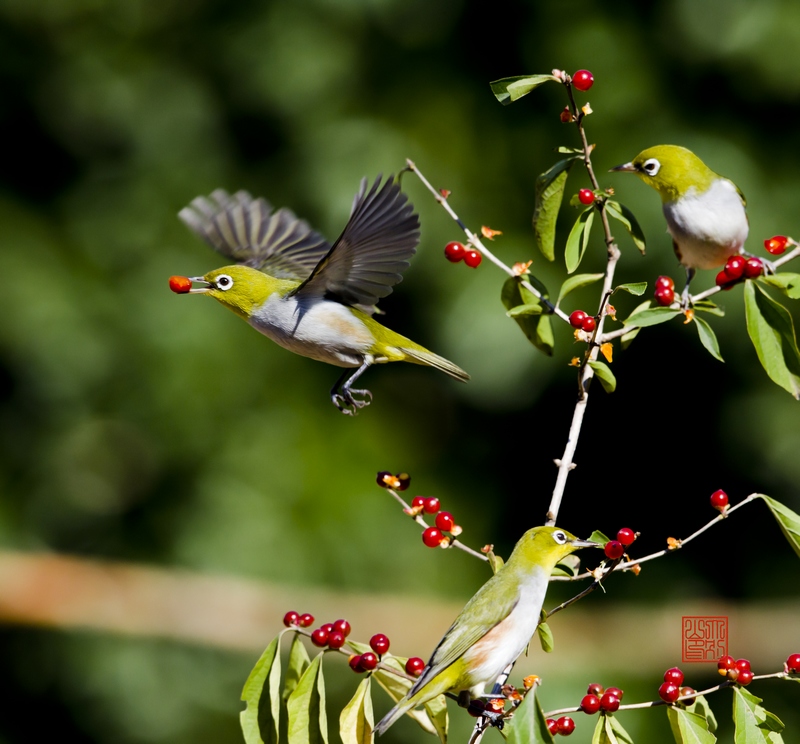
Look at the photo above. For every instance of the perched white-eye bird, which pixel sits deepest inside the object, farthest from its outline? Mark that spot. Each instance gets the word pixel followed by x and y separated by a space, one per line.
pixel 310 297
pixel 495 626
pixel 705 212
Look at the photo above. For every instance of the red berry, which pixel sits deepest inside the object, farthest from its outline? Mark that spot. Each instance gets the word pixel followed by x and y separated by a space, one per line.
pixel 664 296
pixel 431 505
pixel 368 661
pixel 343 627
pixel 444 521
pixel 734 267
pixel 586 196
pixel 379 643
pixel 454 251
pixel 745 677
pixel 595 689
pixel 776 245
pixel 589 324
pixel 614 549
pixel 328 627
pixel 674 675
pixel 319 637
pixel 669 692
pixel 432 537
pixel 590 704
pixel 291 618
pixel 335 639
pixel 576 318
pixel 719 499
pixel 626 536
pixel 609 703
pixel 665 282
pixel 476 708
pixel 743 665
pixel 414 666
pixel 473 259
pixel 305 620
pixel 180 284
pixel 552 726
pixel 615 691
pixel 404 481
pixel 355 663
pixel 418 502
pixel 724 664
pixel 753 267
pixel 565 725
pixel 583 80
pixel 793 664
pixel 686 691
pixel 723 280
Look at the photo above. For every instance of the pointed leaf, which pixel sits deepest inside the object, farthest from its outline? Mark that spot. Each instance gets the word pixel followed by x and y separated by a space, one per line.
pixel 700 706
pixel 298 663
pixel 578 239
pixel 651 316
pixel 622 214
pixel 396 687
pixel 545 637
pixel 599 537
pixel 771 330
pixel 627 338
pixel 635 288
pixel 576 282
pixel 603 373
pixel 788 520
pixel 689 728
pixel 753 724
pixel 356 720
pixel 609 731
pixel 706 306
pixel 537 328
pixel 708 338
pixel 528 725
pixel 786 282
pixel 510 89
pixel 437 714
pixel 521 311
pixel 549 195
pixel 260 719
pixel 308 722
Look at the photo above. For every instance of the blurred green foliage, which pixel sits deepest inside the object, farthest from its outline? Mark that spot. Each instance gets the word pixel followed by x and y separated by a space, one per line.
pixel 140 425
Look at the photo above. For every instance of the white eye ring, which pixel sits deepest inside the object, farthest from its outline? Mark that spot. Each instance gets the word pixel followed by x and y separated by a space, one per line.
pixel 223 282
pixel 560 537
pixel 651 166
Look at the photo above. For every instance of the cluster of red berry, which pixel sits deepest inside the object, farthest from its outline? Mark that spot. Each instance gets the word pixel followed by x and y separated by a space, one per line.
pixel 719 500
pixel 738 267
pixel 456 252
pixel 399 482
pixel 598 698
pixel 564 725
pixel 736 670
pixel 671 689
pixel 295 618
pixel 434 537
pixel 367 661
pixel 616 548
pixel 778 244
pixel 582 320
pixel 665 291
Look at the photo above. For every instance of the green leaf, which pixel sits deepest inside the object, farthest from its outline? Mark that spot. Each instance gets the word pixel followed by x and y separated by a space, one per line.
pixel 635 288
pixel 356 720
pixel 599 537
pixel 627 338
pixel 605 375
pixel 308 722
pixel 260 719
pixel 578 238
pixel 568 566
pixel 788 520
pixel 397 687
pixel 545 637
pixel 437 714
pixel 651 316
pixel 753 724
pixel 711 308
pixel 298 663
pixel 549 195
pixel 689 728
pixel 528 725
pixel 570 151
pixel 700 706
pixel 708 338
pixel 786 282
pixel 507 90
pixel 622 214
pixel 609 731
pixel 576 282
pixel 537 327
pixel 771 330
pixel 522 311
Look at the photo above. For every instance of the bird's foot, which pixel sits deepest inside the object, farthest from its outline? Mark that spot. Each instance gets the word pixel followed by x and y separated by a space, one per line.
pixel 349 402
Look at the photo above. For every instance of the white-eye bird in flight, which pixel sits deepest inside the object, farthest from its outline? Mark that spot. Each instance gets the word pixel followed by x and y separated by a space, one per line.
pixel 705 212
pixel 495 626
pixel 310 297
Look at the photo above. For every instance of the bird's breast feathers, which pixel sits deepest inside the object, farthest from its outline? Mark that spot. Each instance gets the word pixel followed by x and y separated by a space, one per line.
pixel 707 227
pixel 313 327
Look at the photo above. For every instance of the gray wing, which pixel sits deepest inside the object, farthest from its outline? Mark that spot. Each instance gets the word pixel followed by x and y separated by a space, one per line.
pixel 373 250
pixel 247 231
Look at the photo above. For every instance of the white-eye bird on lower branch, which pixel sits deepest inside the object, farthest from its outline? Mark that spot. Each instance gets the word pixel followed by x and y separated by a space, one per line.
pixel 495 626
pixel 310 297
pixel 705 212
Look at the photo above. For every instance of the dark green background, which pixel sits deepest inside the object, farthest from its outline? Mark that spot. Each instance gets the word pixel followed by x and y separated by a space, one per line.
pixel 144 426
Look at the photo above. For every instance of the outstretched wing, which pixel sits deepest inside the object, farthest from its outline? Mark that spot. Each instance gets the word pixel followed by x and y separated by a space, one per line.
pixel 247 231
pixel 373 250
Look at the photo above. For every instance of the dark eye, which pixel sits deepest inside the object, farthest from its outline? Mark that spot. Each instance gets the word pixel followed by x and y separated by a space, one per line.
pixel 223 282
pixel 559 537
pixel 651 166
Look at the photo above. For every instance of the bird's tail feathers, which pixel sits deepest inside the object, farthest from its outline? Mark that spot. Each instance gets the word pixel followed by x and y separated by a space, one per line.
pixel 399 710
pixel 423 356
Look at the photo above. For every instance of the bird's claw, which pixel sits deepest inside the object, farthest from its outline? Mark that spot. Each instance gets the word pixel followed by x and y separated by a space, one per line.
pixel 348 403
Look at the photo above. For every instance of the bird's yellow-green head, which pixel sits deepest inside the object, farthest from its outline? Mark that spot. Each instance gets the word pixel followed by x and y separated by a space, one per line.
pixel 671 170
pixel 240 288
pixel 546 546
